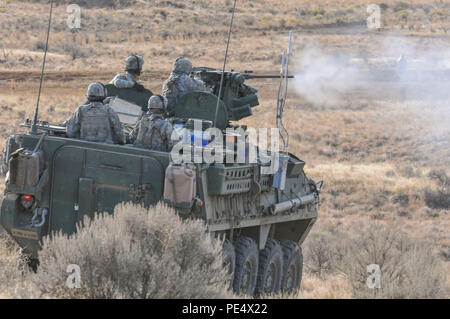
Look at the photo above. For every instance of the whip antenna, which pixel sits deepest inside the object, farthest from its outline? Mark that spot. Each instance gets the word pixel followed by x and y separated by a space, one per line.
pixel 224 63
pixel 282 94
pixel 36 111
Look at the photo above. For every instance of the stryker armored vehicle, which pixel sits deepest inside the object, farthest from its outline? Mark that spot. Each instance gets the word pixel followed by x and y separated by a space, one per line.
pixel 53 182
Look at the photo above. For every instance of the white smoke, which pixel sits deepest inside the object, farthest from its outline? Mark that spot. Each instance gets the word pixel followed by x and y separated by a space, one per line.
pixel 416 73
pixel 322 78
pixel 401 74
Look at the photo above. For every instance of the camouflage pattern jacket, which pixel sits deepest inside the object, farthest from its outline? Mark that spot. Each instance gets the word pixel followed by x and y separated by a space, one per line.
pixel 179 84
pixel 123 81
pixel 96 122
pixel 153 132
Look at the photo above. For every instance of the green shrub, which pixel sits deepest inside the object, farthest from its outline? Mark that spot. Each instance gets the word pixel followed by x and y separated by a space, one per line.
pixel 317 11
pixel 438 197
pixel 400 6
pixel 135 254
pixel 72 49
pixel 322 250
pixel 408 269
pixel 14 273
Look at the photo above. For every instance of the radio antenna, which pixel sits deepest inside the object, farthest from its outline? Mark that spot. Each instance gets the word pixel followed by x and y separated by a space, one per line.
pixel 36 111
pixel 282 94
pixel 224 63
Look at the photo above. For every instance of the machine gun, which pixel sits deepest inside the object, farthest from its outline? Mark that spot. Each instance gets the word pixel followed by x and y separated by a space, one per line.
pixel 57 130
pixel 250 75
pixel 238 97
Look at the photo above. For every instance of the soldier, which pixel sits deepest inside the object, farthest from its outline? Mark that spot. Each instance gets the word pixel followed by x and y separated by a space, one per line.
pixel 95 121
pixel 133 69
pixel 153 131
pixel 179 83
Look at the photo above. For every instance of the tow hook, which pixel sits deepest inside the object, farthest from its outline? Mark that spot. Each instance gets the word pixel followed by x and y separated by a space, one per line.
pixel 39 213
pixel 315 187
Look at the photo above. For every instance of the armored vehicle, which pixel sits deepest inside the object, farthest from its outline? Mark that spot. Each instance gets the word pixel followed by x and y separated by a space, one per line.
pixel 262 213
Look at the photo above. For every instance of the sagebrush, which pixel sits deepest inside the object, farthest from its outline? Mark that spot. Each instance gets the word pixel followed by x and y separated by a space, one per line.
pixel 136 253
pixel 438 197
pixel 14 272
pixel 409 269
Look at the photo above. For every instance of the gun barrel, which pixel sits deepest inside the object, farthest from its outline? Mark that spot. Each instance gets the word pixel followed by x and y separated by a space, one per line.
pixel 254 76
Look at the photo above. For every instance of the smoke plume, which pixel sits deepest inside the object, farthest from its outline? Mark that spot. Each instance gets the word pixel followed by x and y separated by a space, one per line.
pixel 399 67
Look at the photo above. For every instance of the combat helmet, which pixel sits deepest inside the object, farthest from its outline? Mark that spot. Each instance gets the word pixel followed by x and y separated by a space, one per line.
pixel 157 104
pixel 96 92
pixel 182 65
pixel 134 64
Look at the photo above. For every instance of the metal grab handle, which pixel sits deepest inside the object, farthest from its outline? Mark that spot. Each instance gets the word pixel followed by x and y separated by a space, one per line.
pixel 111 166
pixel 36 215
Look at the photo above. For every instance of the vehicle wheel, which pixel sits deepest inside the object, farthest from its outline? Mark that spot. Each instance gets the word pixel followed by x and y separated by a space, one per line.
pixel 246 271
pixel 33 264
pixel 229 259
pixel 293 266
pixel 270 271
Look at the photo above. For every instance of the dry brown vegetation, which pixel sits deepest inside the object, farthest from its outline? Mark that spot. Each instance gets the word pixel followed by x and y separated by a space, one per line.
pixel 409 269
pixel 384 158
pixel 134 254
pixel 15 275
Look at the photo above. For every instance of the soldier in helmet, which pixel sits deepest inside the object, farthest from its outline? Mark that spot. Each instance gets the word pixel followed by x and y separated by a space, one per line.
pixel 133 69
pixel 94 121
pixel 179 83
pixel 153 131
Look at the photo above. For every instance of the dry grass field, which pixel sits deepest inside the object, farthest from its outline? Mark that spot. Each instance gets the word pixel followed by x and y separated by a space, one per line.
pixel 382 149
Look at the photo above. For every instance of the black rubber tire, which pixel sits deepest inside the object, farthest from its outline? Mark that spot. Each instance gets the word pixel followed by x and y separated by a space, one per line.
pixel 33 264
pixel 229 259
pixel 293 267
pixel 270 273
pixel 246 271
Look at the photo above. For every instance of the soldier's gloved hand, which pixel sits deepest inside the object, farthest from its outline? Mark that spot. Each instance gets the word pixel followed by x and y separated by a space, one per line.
pixel 139 87
pixel 107 100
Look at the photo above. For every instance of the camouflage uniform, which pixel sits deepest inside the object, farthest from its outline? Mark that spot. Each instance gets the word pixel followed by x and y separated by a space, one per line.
pixel 95 121
pixel 180 83
pixel 123 81
pixel 133 64
pixel 153 131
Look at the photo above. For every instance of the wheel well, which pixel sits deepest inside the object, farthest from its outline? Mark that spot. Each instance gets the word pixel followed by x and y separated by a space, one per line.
pixel 294 230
